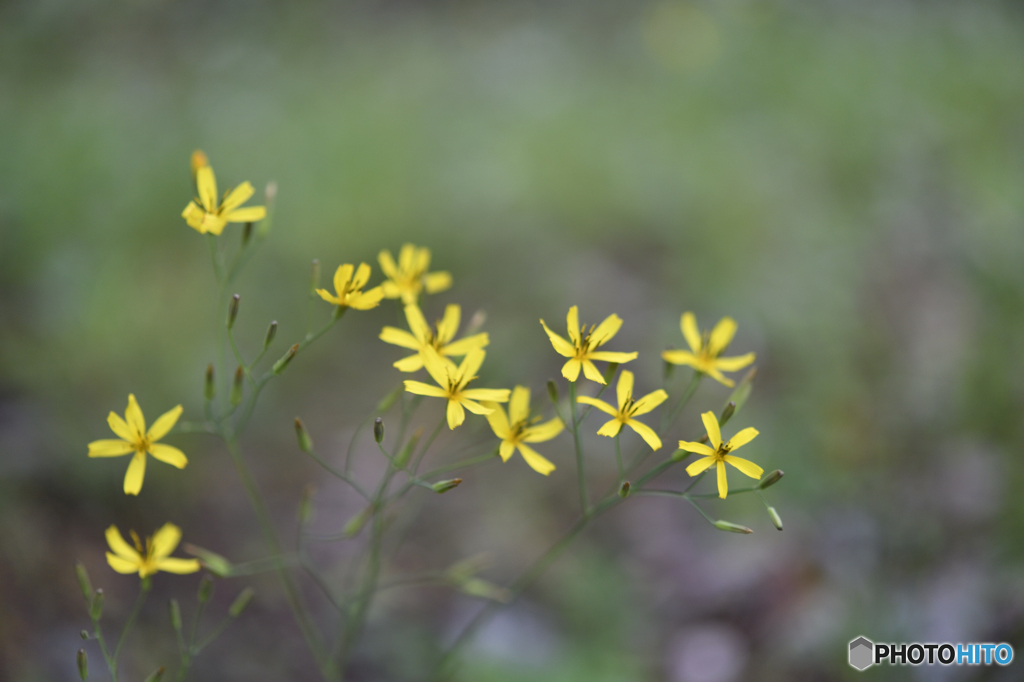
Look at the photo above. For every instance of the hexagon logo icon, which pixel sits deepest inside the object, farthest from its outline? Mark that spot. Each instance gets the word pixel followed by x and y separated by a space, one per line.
pixel 862 653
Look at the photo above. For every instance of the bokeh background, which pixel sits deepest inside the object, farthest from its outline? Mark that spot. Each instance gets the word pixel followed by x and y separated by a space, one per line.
pixel 842 178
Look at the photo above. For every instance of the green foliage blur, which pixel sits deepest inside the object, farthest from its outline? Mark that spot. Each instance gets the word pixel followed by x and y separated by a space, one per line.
pixel 844 179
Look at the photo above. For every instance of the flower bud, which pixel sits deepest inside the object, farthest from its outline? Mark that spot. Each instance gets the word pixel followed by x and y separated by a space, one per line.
pixel 387 401
pixel 236 387
pixel 475 587
pixel 314 277
pixel 356 523
pixel 175 610
pixel 209 388
pixel 405 453
pixel 241 602
pixel 610 370
pixel 271 333
pixel 233 310
pixel 444 486
pixel 96 607
pixel 285 359
pixel 83 580
pixel 156 675
pixel 679 455
pixel 727 413
pixel 270 192
pixel 83 664
pixel 305 442
pixel 214 563
pixel 306 504
pixel 624 489
pixel 776 519
pixel 732 527
pixel 246 233
pixel 667 368
pixel 205 589
pixel 378 430
pixel 771 479
pixel 553 391
pixel 84 634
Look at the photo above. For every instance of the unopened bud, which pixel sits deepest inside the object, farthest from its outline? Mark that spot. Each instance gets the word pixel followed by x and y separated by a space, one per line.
pixel 306 504
pixel 205 589
pixel 776 519
pixel 679 455
pixel 247 233
pixel 444 486
pixel 285 359
pixel 83 664
pixel 305 442
pixel 771 479
pixel 83 580
pixel 727 413
pixel 553 391
pixel 271 333
pixel 175 610
pixel 156 675
pixel 378 430
pixel 475 587
pixel 96 607
pixel 667 368
pixel 732 527
pixel 624 489
pixel 405 453
pixel 610 370
pixel 209 388
pixel 213 562
pixel 314 277
pixel 241 602
pixel 271 191
pixel 236 387
pixel 233 310
pixel 84 634
pixel 198 161
pixel 356 523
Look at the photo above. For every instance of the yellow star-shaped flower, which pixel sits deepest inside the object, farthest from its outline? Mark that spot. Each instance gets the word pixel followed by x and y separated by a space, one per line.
pixel 348 288
pixel 705 349
pixel 440 337
pixel 718 453
pixel 518 428
pixel 133 437
pixel 583 349
pixel 204 214
pixel 409 277
pixel 154 556
pixel 627 410
pixel 452 383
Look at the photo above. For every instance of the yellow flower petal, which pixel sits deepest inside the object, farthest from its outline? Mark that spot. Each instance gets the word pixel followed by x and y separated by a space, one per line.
pixel 591 371
pixel 611 356
pixel 699 448
pixel 133 416
pixel 463 346
pixel 420 388
pixel 718 376
pixel 193 215
pixel 506 449
pixel 237 197
pixel 605 331
pixel 368 299
pixel 496 395
pixel 734 363
pixel 120 547
pixel 456 415
pixel 745 465
pixel 646 432
pixel 498 422
pixel 437 281
pixel 166 540
pixel 721 335
pixel 679 357
pixel 387 265
pixel 561 346
pixel 471 364
pixel 399 337
pixel 649 402
pixel 723 481
pixel 436 367
pixel 624 389
pixel 473 406
pixel 122 565
pixel 711 424
pixel 329 297
pixel 342 277
pixel 421 262
pixel 206 185
pixel 361 277
pixel 537 462
pixel 543 432
pixel 742 438
pixel 571 369
pixel 519 404
pixel 599 404
pixel 417 323
pixel 413 363
pixel 164 423
pixel 699 465
pixel 610 428
pixel 180 566
pixel 168 454
pixel 406 257
pixel 691 333
pixel 448 327
pixel 110 448
pixel 572 323
pixel 136 472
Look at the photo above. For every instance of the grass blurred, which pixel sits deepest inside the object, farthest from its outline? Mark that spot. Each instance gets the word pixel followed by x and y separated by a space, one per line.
pixel 844 179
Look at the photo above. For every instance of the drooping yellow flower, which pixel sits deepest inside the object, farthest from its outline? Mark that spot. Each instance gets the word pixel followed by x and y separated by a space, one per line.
pixel 628 409
pixel 348 288
pixel 423 336
pixel 718 453
pixel 452 383
pixel 204 214
pixel 154 556
pixel 705 349
pixel 133 437
pixel 518 428
pixel 583 349
pixel 409 277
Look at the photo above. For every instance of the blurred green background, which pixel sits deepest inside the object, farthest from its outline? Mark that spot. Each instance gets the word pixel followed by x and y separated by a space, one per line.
pixel 842 178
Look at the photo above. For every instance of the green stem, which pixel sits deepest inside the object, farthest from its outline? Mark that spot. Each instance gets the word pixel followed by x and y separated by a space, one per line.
pixel 339 474
pixel 618 458
pixel 580 472
pixel 144 587
pixel 428 443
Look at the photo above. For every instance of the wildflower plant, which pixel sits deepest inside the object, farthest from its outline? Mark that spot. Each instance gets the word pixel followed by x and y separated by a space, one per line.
pixel 449 368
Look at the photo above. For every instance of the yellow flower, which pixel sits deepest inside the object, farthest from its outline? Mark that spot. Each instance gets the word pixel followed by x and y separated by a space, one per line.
pixel 718 453
pixel 439 338
pixel 407 279
pixel 706 349
pixel 155 556
pixel 133 437
pixel 452 385
pixel 349 288
pixel 204 214
pixel 627 410
pixel 517 428
pixel 583 349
